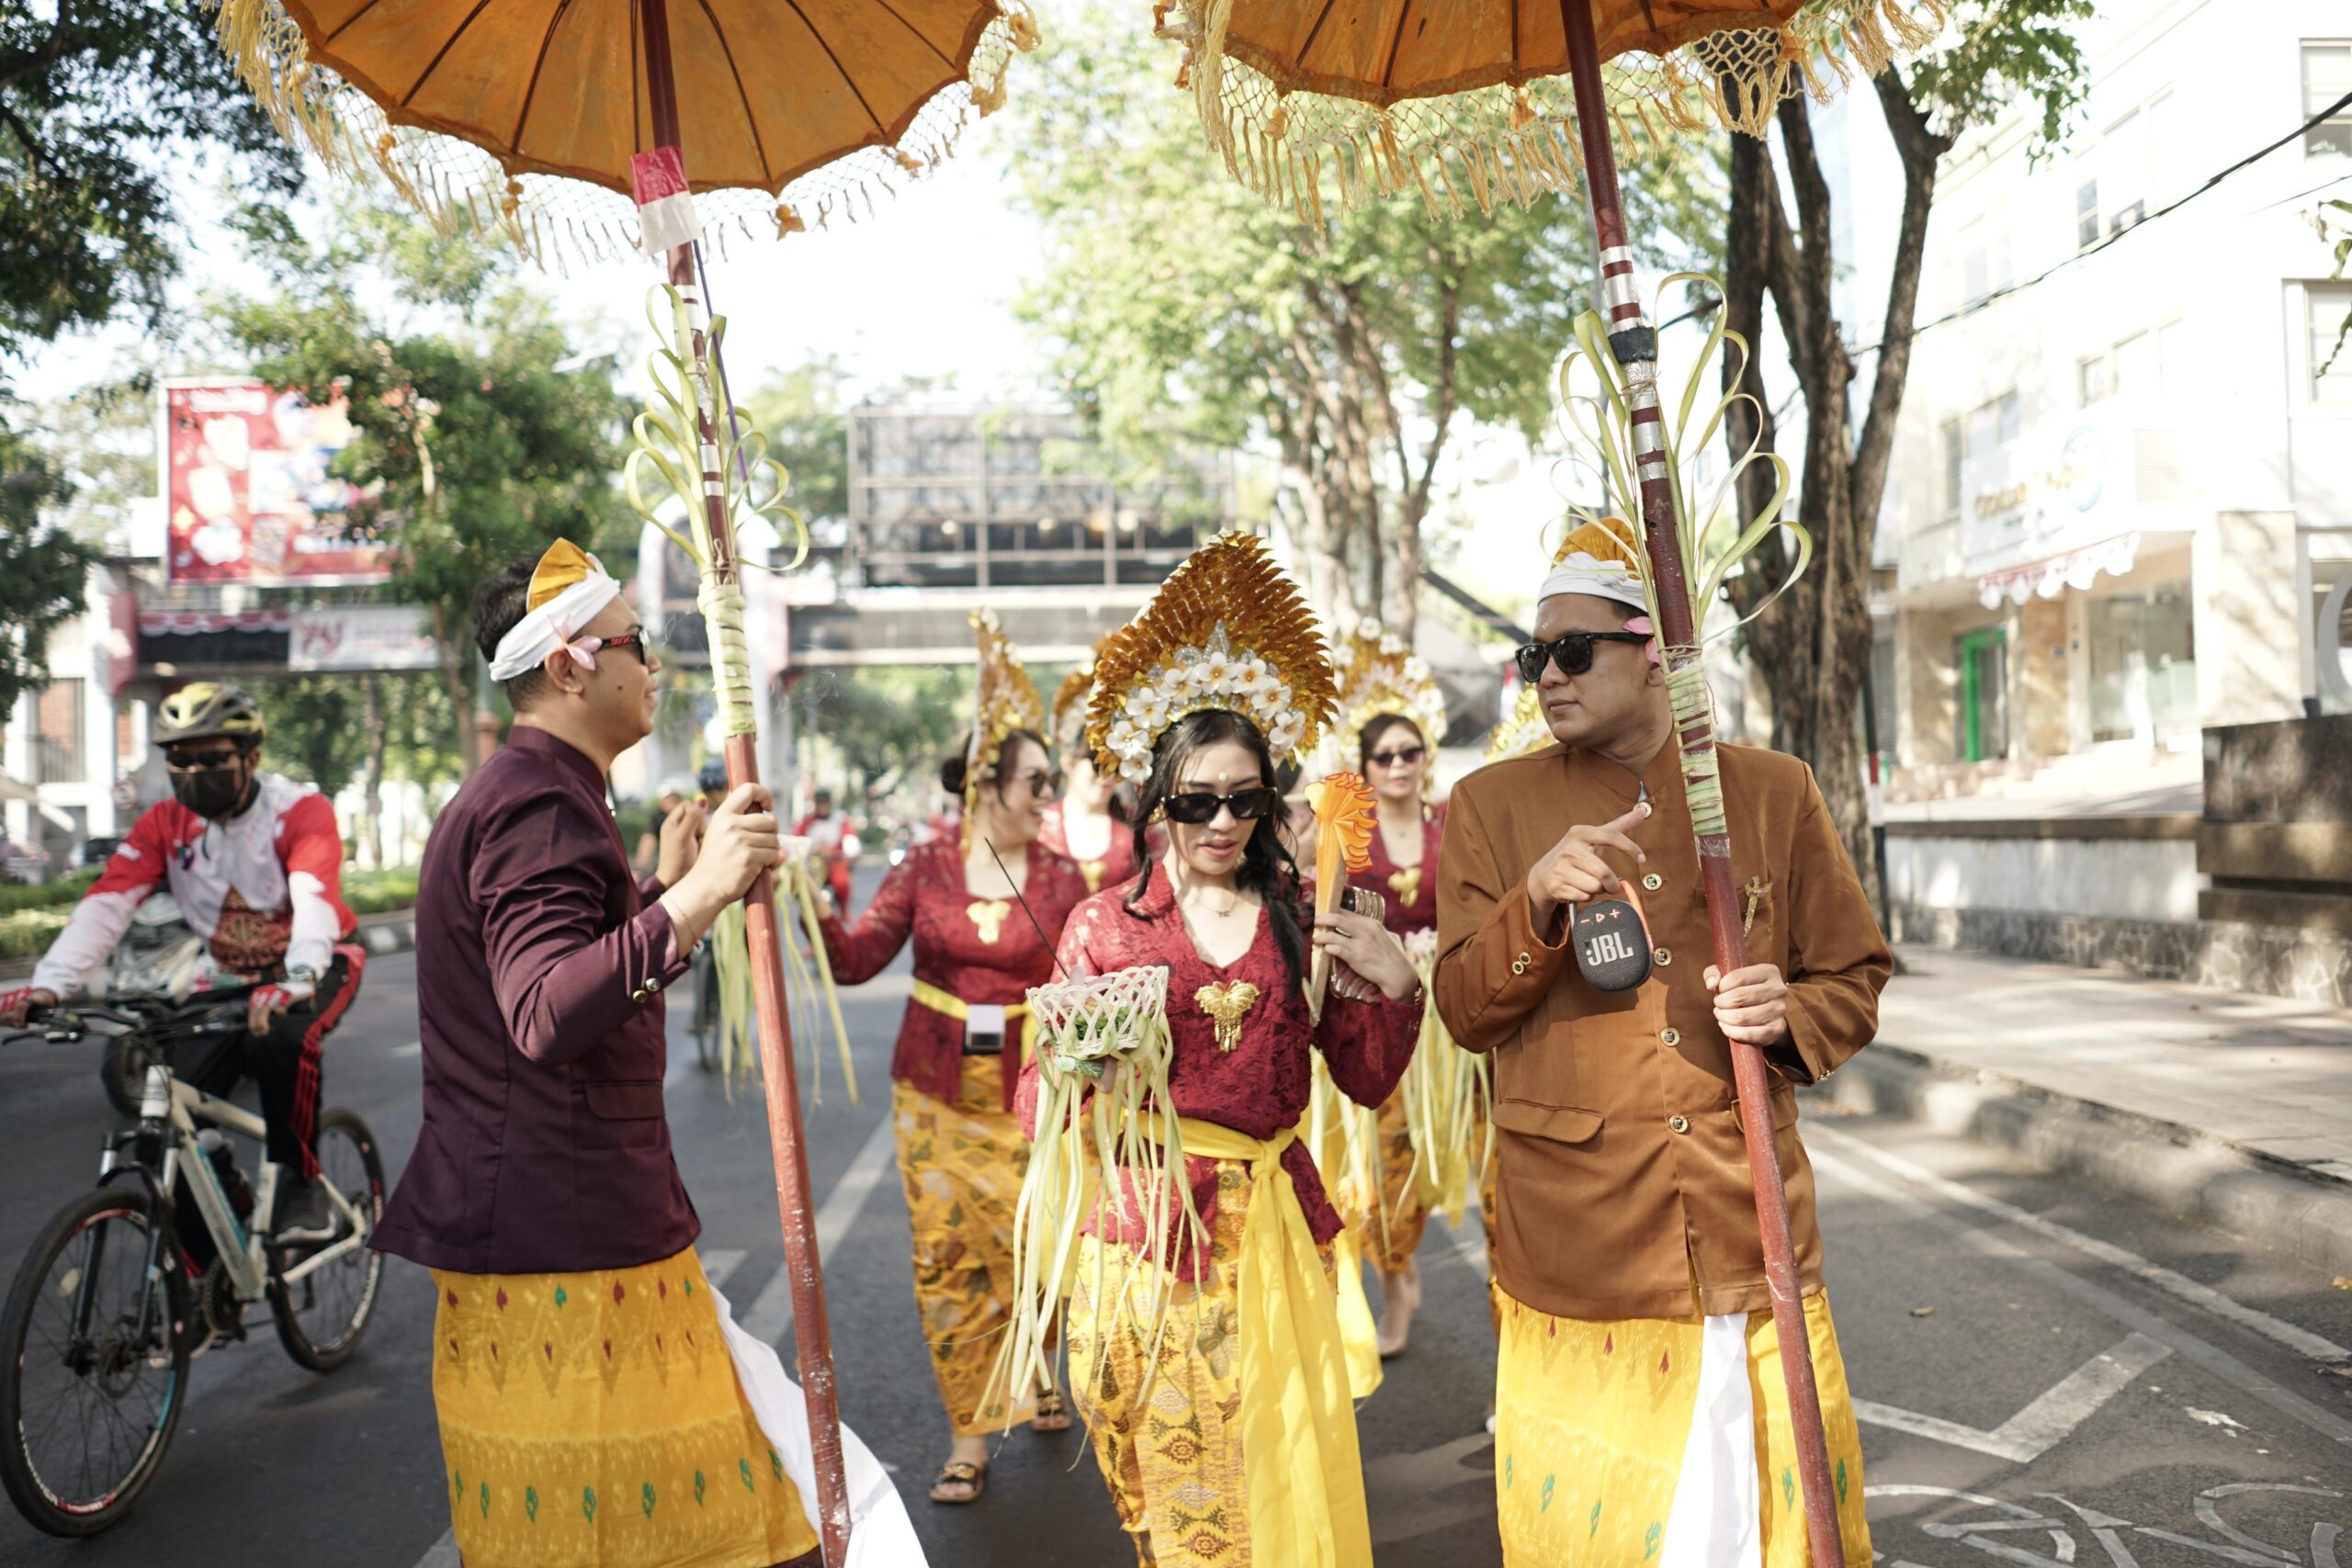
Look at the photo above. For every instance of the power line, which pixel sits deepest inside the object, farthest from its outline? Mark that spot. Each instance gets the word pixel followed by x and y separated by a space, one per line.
pixel 1706 306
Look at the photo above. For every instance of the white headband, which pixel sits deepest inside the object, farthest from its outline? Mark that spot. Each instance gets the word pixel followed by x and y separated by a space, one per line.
pixel 1583 573
pixel 553 625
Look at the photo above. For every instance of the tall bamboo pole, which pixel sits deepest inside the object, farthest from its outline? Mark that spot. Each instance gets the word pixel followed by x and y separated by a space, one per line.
pixel 804 1272
pixel 1634 343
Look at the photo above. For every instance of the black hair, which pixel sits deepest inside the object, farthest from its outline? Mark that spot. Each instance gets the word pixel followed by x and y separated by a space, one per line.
pixel 1378 727
pixel 1267 868
pixel 501 600
pixel 953 774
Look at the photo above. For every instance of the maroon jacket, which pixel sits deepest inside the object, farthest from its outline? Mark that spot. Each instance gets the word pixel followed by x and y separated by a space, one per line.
pixel 540 964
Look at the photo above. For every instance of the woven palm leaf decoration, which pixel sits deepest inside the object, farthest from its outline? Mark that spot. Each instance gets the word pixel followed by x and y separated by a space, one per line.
pixel 1716 538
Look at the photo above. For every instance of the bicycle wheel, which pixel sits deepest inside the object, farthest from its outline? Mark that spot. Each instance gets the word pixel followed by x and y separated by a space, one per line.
pixel 87 1409
pixel 323 1312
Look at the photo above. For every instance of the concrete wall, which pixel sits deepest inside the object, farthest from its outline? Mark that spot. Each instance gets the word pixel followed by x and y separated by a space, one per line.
pixel 2012 866
pixel 2249 659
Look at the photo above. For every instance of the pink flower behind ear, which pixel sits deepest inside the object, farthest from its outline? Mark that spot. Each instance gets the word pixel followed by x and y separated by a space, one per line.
pixel 583 653
pixel 1648 628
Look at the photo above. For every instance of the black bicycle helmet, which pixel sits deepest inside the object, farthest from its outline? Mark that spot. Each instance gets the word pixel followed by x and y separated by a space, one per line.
pixel 714 775
pixel 205 708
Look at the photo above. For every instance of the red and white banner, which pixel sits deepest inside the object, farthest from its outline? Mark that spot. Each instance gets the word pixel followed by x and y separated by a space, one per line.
pixel 665 207
pixel 248 495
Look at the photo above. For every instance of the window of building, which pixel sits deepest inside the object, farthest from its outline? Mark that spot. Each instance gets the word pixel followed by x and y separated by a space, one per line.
pixel 1993 425
pixel 2327 76
pixel 57 733
pixel 2143 667
pixel 2094 380
pixel 1953 451
pixel 2086 215
pixel 1984 268
pixel 2327 310
pixel 2124 170
pixel 2136 368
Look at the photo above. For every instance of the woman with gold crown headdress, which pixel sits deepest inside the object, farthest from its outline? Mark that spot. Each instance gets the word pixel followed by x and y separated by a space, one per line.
pixel 1086 824
pixel 961 1154
pixel 1395 711
pixel 1215 1313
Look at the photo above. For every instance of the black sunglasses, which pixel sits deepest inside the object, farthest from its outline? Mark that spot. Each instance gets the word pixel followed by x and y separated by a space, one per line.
pixel 1196 807
pixel 181 761
pixel 1040 784
pixel 1572 653
pixel 1407 755
pixel 637 643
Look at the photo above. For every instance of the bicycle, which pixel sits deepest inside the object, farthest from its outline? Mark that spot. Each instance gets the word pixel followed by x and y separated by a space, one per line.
pixel 115 1298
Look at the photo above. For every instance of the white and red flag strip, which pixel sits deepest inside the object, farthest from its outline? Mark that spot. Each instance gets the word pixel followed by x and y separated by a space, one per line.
pixel 665 208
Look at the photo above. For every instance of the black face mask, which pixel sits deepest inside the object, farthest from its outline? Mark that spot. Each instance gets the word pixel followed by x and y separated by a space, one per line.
pixel 216 794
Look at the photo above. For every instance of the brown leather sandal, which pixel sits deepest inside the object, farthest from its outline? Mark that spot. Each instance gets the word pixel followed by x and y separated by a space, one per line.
pixel 964 1473
pixel 1052 1415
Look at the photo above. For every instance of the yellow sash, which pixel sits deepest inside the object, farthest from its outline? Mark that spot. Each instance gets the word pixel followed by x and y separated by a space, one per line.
pixel 1298 1424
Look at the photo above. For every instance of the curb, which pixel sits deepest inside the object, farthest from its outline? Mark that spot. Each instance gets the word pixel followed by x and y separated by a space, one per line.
pixel 2304 1214
pixel 393 932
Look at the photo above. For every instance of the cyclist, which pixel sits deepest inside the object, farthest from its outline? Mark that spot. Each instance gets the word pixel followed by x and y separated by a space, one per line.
pixel 255 862
pixel 833 843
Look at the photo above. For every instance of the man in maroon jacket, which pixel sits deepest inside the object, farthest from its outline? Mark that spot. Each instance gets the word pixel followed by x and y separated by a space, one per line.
pixel 584 1380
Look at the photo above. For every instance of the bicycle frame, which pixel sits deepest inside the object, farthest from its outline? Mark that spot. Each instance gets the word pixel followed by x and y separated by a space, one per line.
pixel 169 1103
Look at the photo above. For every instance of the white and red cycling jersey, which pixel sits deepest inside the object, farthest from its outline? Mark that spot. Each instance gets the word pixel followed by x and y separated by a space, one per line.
pixel 263 888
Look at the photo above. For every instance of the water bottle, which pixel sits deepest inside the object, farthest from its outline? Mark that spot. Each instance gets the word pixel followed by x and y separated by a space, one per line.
pixel 216 1150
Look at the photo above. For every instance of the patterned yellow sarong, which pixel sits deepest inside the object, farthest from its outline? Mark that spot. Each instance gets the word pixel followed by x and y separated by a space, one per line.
pixel 1246 1429
pixel 1592 1422
pixel 962 1165
pixel 1391 1233
pixel 595 1418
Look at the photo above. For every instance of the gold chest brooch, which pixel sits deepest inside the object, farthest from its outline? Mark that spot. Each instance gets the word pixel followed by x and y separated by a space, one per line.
pixel 1228 1005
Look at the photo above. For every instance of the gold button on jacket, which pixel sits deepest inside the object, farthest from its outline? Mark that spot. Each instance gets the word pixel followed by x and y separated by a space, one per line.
pixel 1606 1211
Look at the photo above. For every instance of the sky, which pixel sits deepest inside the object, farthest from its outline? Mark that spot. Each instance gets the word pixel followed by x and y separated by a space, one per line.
pixel 923 287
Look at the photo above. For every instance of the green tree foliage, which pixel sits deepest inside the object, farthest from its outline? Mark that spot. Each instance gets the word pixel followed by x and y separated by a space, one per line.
pixel 473 446
pixel 99 99
pixel 1181 308
pixel 42 569
pixel 1812 648
pixel 801 413
pixel 881 727
pixel 315 733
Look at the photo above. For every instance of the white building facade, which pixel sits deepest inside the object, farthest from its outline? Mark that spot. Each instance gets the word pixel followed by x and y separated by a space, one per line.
pixel 2121 490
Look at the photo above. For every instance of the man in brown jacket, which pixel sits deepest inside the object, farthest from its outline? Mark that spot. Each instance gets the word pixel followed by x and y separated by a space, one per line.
pixel 1636 1337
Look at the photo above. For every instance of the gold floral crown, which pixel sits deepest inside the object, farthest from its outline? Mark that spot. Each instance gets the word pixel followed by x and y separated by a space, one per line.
pixel 1378 674
pixel 1003 699
pixel 1522 729
pixel 1227 630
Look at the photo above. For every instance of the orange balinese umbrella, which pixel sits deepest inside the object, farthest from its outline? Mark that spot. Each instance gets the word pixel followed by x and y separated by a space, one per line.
pixel 1463 102
pixel 580 127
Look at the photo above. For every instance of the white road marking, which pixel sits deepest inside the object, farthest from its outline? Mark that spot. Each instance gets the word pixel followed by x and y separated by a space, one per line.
pixel 2121 1309
pixel 413 1048
pixel 720 1264
pixel 2043 1425
pixel 771 1312
pixel 2302 1341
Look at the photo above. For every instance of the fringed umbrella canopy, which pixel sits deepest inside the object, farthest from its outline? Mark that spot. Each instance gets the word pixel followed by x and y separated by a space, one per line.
pixel 524 114
pixel 1467 103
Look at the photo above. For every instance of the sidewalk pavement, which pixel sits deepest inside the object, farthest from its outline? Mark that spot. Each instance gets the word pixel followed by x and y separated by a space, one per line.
pixel 2225 1107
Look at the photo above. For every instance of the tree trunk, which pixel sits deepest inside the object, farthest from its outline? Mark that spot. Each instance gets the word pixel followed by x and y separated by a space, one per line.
pixel 371 770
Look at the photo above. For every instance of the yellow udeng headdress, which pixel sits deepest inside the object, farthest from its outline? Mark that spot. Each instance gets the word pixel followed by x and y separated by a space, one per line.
pixel 1003 699
pixel 1379 674
pixel 1229 630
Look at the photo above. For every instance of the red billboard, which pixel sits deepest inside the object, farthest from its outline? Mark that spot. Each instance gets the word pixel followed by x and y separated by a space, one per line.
pixel 248 491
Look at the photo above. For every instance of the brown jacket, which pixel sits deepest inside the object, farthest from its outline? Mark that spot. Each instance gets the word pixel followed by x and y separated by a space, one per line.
pixel 1623 1179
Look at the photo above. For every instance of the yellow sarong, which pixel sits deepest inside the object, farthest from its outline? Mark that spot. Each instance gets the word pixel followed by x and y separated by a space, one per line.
pixel 595 1417
pixel 1299 1420
pixel 1592 1419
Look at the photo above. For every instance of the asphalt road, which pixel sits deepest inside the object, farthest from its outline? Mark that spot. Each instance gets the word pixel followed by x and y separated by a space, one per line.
pixel 2051 1375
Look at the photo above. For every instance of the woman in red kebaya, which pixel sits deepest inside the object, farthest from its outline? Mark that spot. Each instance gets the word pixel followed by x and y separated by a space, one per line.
pixel 961 1153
